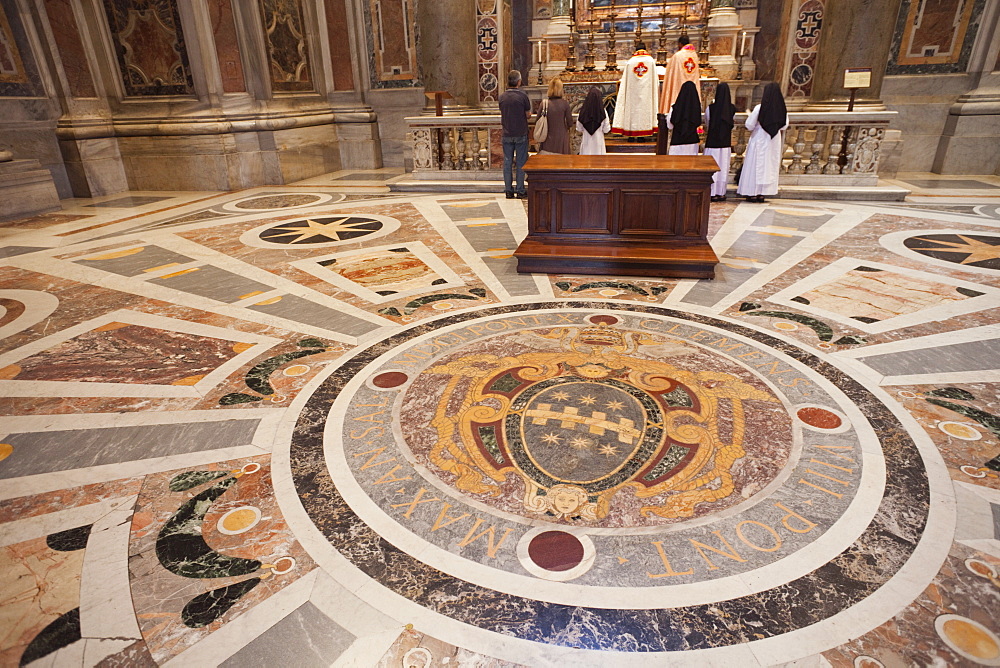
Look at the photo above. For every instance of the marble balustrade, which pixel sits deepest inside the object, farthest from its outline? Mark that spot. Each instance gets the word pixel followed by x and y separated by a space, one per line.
pixel 816 143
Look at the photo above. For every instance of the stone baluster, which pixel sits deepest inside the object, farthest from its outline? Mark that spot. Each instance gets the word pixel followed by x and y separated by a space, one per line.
pixel 833 149
pixel 484 152
pixel 474 151
pixel 798 148
pixel 447 161
pixel 852 143
pixel 817 149
pixel 460 149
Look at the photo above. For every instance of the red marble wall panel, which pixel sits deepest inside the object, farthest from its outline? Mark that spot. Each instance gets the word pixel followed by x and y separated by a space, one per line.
pixel 392 30
pixel 227 47
pixel 71 51
pixel 340 45
pixel 149 43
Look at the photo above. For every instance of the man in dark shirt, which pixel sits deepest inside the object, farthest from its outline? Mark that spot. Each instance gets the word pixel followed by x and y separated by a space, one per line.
pixel 515 109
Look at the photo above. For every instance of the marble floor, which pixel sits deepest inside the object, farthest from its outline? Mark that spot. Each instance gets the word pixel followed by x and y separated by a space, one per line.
pixel 329 424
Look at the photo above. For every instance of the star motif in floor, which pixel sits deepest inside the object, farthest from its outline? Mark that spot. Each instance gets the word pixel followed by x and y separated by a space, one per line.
pixel 977 250
pixel 321 230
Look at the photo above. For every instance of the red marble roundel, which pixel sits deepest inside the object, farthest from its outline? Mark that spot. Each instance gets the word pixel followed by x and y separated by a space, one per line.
pixel 819 418
pixel 390 379
pixel 556 550
pixel 603 319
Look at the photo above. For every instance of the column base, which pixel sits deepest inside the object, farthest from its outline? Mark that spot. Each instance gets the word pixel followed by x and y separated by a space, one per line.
pixel 26 189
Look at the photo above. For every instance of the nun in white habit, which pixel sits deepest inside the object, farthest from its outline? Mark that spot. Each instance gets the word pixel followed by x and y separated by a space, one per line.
pixel 762 161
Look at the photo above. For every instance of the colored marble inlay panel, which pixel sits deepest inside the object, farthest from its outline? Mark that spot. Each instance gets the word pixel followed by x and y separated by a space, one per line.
pixel 392 29
pixel 385 272
pixel 38 585
pixel 207 545
pixel 227 46
pixel 287 45
pixel 123 353
pixel 871 295
pixel 487 49
pixel 808 25
pixel 150 46
pixel 341 56
pixel 71 50
pixel 18 74
pixel 934 36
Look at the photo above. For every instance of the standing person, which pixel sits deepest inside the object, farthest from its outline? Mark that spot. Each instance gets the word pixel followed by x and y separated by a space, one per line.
pixel 684 119
pixel 593 123
pixel 635 109
pixel 560 120
pixel 515 109
pixel 682 66
pixel 762 160
pixel 720 119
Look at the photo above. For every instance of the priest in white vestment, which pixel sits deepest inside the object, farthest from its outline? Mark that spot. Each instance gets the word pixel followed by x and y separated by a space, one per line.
pixel 635 109
pixel 762 160
pixel 682 66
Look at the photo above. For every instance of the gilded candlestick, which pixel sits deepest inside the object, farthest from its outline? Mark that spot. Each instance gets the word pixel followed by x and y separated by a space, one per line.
pixel 588 60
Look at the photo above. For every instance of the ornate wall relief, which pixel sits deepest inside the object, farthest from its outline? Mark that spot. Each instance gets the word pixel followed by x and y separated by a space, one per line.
pixel 18 73
pixel 805 48
pixel 392 49
pixel 149 43
pixel 934 36
pixel 287 46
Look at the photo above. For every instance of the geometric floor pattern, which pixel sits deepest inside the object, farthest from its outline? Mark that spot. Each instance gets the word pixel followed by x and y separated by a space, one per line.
pixel 326 424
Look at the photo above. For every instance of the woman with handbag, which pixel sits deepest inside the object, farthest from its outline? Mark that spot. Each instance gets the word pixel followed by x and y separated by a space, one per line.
pixel 559 120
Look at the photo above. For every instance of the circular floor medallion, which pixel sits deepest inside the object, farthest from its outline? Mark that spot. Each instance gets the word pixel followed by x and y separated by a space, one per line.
pixel 606 466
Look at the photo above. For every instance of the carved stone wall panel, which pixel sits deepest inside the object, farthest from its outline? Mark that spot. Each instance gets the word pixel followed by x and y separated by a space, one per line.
pixel 227 47
pixel 392 43
pixel 934 36
pixel 149 44
pixel 72 54
pixel 287 45
pixel 18 73
pixel 340 45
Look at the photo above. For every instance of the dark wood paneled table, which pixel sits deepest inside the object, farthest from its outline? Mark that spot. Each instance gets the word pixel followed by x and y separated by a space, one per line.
pixel 632 215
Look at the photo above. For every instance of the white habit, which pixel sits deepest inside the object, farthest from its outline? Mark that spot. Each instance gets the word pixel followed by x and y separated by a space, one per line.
pixel 593 144
pixel 762 160
pixel 635 110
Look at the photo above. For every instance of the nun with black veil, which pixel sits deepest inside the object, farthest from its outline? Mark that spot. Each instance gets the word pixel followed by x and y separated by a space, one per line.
pixel 593 123
pixel 762 161
pixel 719 119
pixel 684 119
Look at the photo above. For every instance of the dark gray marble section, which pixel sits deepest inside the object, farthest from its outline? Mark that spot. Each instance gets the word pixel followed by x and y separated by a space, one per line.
pixel 969 356
pixel 505 269
pixel 214 283
pixel 996 520
pixel 489 237
pixel 11 251
pixel 136 263
pixel 128 202
pixel 306 312
pixel 306 638
pixel 962 184
pixel 50 451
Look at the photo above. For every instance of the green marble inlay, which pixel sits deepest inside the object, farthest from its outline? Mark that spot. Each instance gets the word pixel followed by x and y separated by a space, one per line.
pixel 412 306
pixel 258 378
pixel 505 383
pixel 205 608
pixel 70 540
pixel 391 311
pixel 850 341
pixel 237 398
pixel 823 330
pixel 181 547
pixel 991 422
pixel 310 343
pixel 748 306
pixel 182 482
pixel 674 455
pixel 952 393
pixel 611 284
pixel 61 632
pixel 488 435
pixel 678 397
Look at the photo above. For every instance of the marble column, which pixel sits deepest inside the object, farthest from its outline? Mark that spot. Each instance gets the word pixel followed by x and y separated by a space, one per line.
pixel 448 47
pixel 856 33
